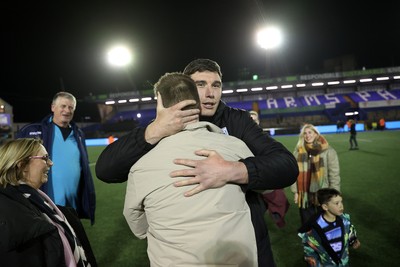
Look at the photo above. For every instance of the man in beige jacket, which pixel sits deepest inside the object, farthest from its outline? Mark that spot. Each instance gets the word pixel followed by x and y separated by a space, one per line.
pixel 213 228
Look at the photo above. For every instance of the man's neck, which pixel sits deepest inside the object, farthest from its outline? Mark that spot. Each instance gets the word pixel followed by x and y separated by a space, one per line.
pixel 61 124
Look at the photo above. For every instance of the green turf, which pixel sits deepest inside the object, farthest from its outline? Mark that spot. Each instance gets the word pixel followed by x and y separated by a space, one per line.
pixel 370 187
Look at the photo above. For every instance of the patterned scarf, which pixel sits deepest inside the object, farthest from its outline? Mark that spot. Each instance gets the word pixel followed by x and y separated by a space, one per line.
pixel 311 170
pixel 73 251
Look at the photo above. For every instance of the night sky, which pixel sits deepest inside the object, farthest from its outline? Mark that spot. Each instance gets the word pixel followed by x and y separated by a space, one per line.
pixel 63 44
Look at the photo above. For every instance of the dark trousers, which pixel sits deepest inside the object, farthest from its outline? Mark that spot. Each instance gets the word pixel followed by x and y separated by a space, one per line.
pixel 353 140
pixel 257 210
pixel 307 213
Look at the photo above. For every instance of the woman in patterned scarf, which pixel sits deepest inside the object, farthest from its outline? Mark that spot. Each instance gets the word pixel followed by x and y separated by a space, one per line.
pixel 33 230
pixel 318 168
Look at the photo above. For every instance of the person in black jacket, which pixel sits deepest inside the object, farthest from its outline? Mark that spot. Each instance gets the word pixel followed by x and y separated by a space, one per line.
pixel 70 181
pixel 33 230
pixel 272 167
pixel 353 135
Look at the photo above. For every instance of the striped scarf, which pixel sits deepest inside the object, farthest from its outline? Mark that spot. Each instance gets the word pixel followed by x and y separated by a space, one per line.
pixel 311 170
pixel 73 251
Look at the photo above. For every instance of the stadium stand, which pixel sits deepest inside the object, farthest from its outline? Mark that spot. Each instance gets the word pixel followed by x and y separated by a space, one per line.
pixel 366 95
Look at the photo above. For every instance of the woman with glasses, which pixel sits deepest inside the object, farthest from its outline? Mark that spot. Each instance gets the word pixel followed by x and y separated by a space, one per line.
pixel 33 230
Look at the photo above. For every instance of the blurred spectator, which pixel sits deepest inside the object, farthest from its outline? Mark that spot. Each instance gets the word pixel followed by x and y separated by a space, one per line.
pixel 353 135
pixel 382 124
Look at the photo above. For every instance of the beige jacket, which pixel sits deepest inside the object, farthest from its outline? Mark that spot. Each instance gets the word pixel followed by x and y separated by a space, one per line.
pixel 212 228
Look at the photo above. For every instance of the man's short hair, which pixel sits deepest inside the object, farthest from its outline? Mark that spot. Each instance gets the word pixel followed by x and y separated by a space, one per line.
pixel 64 95
pixel 175 87
pixel 201 65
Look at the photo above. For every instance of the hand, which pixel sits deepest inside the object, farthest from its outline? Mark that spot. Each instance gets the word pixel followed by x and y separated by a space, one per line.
pixel 296 198
pixel 356 244
pixel 170 120
pixel 212 172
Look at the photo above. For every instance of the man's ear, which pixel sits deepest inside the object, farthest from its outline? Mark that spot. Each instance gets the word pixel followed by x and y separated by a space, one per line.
pixel 159 101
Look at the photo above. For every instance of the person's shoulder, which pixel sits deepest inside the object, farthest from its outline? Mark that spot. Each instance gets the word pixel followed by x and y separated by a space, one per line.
pixel 237 113
pixel 331 150
pixel 30 130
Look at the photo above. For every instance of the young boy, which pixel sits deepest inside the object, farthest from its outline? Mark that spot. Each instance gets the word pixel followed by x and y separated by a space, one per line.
pixel 327 236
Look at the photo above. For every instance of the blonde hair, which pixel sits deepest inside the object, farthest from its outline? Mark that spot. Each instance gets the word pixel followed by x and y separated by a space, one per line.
pixel 14 157
pixel 300 142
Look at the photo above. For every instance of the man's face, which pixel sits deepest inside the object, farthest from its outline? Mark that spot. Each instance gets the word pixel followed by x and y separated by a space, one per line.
pixel 209 86
pixel 63 111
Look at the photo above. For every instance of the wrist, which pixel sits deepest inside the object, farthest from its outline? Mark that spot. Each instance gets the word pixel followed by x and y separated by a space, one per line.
pixel 240 175
pixel 151 134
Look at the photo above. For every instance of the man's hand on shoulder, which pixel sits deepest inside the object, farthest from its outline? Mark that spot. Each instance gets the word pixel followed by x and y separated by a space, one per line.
pixel 212 172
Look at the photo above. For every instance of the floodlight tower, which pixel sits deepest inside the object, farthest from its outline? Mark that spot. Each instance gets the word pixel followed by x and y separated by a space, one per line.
pixel 119 56
pixel 269 38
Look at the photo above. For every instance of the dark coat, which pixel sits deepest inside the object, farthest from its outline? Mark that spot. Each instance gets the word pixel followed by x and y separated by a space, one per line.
pixel 26 236
pixel 45 131
pixel 272 167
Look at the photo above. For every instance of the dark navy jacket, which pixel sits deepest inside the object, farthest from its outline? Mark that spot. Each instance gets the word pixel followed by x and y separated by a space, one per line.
pixel 45 131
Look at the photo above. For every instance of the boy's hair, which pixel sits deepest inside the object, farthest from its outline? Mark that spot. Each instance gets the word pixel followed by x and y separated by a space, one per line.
pixel 324 195
pixel 175 87
pixel 202 65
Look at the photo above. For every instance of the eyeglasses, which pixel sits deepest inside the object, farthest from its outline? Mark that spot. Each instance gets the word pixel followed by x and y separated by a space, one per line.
pixel 45 157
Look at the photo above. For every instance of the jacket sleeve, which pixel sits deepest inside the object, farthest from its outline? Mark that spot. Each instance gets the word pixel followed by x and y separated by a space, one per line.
pixel 310 245
pixel 134 211
pixel 333 169
pixel 273 166
pixel 117 158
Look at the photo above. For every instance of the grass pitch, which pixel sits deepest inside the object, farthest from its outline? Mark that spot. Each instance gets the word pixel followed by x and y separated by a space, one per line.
pixel 370 186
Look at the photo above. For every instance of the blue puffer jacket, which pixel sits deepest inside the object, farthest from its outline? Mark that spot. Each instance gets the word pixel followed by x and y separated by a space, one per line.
pixel 45 131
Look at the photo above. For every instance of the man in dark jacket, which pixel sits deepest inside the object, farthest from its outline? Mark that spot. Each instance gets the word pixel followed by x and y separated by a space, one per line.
pixel 272 167
pixel 70 180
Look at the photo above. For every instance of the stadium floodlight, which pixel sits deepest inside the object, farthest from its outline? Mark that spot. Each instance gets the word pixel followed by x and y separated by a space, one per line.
pixel 119 56
pixel 269 37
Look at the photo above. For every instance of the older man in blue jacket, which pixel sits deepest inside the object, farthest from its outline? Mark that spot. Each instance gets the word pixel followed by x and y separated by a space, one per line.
pixel 70 181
